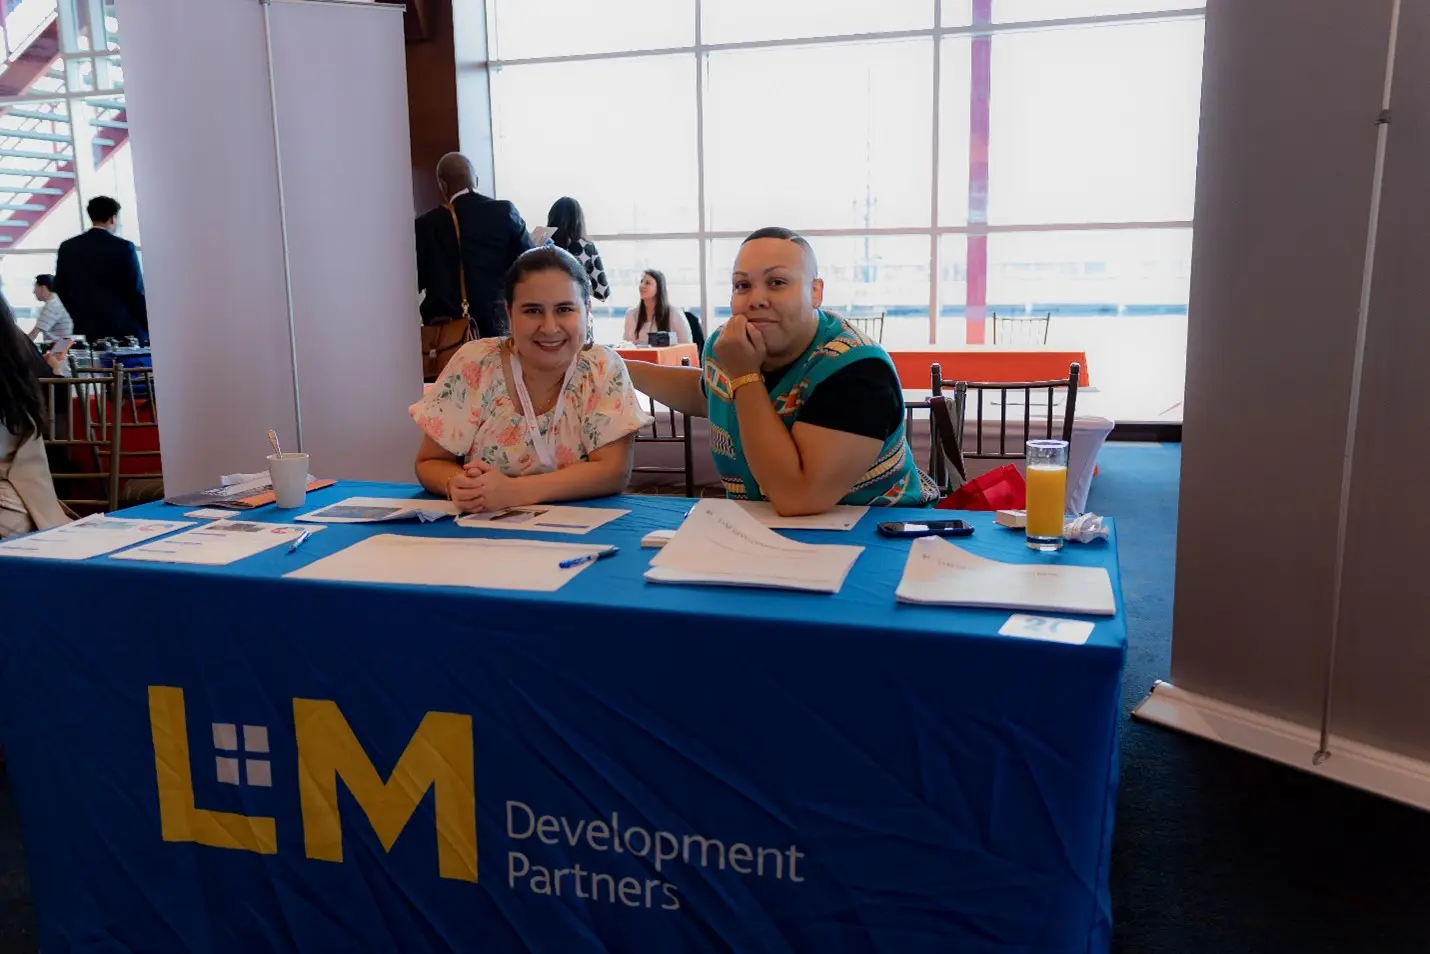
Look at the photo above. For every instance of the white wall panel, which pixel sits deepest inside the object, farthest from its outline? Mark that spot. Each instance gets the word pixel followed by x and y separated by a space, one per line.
pixel 201 126
pixel 342 121
pixel 207 180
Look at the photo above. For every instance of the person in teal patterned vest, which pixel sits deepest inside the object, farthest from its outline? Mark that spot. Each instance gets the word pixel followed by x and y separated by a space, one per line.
pixel 805 409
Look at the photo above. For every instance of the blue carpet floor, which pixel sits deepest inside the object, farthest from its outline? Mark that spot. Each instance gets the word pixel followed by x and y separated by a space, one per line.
pixel 1218 852
pixel 1215 852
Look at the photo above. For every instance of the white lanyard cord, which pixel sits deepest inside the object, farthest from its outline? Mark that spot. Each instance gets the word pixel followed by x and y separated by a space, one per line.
pixel 543 444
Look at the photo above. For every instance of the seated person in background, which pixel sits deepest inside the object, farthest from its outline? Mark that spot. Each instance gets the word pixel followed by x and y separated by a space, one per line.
pixel 53 325
pixel 27 492
pixel 805 410
pixel 655 312
pixel 536 417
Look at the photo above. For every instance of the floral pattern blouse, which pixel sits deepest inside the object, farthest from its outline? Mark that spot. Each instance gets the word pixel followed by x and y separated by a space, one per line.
pixel 470 413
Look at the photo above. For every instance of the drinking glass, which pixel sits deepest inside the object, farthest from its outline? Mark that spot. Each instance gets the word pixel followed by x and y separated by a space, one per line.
pixel 1047 493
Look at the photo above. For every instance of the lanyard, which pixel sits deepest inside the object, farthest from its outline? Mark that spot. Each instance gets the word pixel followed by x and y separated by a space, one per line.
pixel 543 444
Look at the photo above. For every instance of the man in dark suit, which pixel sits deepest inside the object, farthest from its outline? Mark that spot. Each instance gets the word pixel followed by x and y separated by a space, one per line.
pixel 493 235
pixel 98 279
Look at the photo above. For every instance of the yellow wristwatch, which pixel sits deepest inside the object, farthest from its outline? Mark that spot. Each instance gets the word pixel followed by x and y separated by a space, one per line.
pixel 744 379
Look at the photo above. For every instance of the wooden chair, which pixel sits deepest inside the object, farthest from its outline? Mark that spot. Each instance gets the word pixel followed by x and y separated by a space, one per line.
pixel 82 434
pixel 975 391
pixel 1021 330
pixel 676 431
pixel 873 326
pixel 143 480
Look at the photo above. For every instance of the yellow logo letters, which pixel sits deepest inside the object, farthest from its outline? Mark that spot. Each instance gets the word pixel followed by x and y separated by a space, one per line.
pixel 439 756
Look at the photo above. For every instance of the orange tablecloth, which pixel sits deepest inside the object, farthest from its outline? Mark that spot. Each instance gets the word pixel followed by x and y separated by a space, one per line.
pixel 985 363
pixel 668 356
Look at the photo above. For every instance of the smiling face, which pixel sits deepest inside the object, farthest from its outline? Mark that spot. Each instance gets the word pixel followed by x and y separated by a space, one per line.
pixel 647 287
pixel 548 316
pixel 774 287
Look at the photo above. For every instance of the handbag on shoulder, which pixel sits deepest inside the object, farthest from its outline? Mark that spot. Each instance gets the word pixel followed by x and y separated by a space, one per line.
pixel 442 338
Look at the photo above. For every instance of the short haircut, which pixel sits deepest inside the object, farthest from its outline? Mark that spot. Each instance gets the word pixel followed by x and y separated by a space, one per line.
pixel 789 235
pixel 46 280
pixel 546 258
pixel 102 208
pixel 456 169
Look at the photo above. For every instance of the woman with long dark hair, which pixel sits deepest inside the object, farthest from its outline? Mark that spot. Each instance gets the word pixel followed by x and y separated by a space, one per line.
pixel 566 228
pixel 655 312
pixel 27 492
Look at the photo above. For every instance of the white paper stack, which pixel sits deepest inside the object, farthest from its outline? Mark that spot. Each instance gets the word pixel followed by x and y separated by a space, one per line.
pixel 841 517
pixel 943 574
pixel 720 544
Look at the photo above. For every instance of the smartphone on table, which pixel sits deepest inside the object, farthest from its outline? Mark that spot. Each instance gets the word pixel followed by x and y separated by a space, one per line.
pixel 926 528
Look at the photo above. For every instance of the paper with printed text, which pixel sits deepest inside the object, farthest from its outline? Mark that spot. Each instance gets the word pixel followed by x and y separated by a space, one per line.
pixel 90 537
pixel 380 510
pixel 217 544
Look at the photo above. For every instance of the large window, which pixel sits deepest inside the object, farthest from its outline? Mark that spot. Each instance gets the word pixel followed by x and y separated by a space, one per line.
pixel 64 134
pixel 862 161
pixel 733 21
pixel 1094 125
pixel 617 134
pixel 625 261
pixel 949 159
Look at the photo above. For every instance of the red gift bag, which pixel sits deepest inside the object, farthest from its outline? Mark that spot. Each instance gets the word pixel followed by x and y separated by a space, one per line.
pixel 1001 489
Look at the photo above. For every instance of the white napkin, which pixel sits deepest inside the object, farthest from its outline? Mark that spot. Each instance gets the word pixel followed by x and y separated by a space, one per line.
pixel 1086 528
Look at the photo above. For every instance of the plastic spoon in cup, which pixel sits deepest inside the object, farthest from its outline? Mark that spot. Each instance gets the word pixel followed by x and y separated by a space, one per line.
pixel 273 439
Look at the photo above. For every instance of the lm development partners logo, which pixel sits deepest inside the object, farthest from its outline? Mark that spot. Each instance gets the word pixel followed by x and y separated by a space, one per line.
pixel 601 857
pixel 438 756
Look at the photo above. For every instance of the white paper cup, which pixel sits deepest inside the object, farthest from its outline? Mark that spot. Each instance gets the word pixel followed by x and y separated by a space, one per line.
pixel 289 474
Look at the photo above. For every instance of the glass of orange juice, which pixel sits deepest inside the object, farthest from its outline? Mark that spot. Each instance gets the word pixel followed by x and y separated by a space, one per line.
pixel 1047 493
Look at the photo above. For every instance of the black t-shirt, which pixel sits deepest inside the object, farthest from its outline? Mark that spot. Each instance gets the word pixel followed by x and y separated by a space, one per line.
pixel 861 398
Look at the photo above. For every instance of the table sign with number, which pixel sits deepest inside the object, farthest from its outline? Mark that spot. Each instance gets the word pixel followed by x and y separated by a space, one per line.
pixel 1050 628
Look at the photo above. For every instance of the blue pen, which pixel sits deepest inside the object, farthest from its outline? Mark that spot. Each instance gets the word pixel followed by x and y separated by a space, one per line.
pixel 588 558
pixel 302 539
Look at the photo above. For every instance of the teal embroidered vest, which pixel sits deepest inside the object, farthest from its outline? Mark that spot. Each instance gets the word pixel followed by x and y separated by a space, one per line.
pixel 893 480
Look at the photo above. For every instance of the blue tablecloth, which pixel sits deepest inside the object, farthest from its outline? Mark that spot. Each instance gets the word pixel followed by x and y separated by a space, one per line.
pixel 223 760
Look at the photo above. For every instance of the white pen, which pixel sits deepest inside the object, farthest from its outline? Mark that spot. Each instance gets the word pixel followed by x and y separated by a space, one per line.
pixel 302 538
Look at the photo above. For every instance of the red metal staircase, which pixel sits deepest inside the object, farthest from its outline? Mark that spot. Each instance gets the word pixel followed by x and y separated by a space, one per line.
pixel 37 160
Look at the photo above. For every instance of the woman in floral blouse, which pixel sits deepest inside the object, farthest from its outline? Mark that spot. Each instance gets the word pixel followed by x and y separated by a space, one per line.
pixel 536 417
